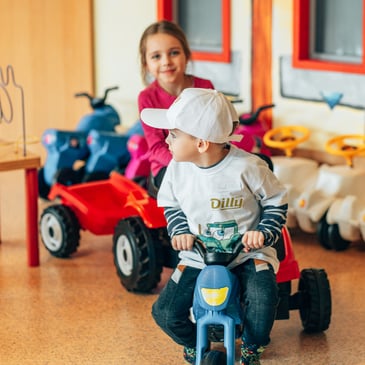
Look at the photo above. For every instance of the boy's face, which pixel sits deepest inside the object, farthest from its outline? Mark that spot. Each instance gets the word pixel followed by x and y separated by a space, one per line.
pixel 165 58
pixel 183 147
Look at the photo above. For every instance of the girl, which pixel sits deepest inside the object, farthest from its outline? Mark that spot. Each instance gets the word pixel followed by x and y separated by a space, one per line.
pixel 164 55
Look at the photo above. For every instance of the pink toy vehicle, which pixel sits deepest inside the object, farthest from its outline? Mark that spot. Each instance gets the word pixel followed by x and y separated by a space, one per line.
pixel 253 130
pixel 138 167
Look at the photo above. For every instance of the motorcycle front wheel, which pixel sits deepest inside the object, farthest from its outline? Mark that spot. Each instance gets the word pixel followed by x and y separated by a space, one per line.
pixel 214 357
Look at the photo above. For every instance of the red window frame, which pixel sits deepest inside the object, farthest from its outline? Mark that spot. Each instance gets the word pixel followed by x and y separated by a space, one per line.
pixel 165 11
pixel 301 36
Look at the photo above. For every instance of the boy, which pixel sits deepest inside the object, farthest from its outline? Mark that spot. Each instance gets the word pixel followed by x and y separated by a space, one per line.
pixel 210 181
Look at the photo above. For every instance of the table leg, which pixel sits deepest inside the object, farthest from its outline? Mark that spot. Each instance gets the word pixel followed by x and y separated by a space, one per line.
pixel 31 181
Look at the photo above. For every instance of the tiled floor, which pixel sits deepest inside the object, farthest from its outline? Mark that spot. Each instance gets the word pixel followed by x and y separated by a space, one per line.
pixel 75 311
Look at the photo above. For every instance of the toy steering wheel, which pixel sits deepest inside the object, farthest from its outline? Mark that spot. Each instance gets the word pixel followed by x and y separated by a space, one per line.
pixel 354 146
pixel 286 138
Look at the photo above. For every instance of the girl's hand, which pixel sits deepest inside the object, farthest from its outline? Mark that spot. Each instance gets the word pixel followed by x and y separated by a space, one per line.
pixel 183 242
pixel 252 240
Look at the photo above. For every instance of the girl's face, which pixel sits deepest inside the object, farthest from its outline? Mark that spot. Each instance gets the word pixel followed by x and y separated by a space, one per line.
pixel 165 59
pixel 182 146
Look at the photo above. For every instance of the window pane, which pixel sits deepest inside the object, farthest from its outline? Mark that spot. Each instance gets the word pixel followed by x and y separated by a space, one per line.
pixel 202 23
pixel 336 28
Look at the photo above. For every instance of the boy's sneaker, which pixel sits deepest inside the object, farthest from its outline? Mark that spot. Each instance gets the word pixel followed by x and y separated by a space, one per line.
pixel 250 355
pixel 189 355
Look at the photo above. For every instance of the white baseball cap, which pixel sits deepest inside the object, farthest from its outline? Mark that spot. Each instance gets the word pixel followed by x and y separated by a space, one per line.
pixel 202 113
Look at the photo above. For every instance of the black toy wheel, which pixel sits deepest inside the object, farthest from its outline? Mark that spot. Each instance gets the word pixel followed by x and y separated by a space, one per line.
pixel 322 233
pixel 315 300
pixel 335 239
pixel 214 357
pixel 60 230
pixel 43 187
pixel 137 255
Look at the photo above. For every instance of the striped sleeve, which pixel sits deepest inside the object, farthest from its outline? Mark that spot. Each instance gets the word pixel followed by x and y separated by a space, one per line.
pixel 272 220
pixel 177 222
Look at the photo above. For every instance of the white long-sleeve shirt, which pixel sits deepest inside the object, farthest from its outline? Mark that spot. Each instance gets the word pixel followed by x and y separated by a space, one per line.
pixel 238 194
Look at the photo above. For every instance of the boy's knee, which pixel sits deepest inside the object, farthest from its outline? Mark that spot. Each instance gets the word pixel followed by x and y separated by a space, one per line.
pixel 161 315
pixel 156 313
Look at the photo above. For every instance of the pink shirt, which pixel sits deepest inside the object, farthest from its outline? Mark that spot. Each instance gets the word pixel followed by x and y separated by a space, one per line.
pixel 153 96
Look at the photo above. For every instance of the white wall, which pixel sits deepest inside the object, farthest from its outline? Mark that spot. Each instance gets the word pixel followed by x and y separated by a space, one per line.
pixel 120 23
pixel 323 122
pixel 118 27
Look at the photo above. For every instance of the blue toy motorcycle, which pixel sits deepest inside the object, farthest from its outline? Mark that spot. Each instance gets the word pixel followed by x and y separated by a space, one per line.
pixel 217 302
pixel 103 118
pixel 94 142
pixel 217 309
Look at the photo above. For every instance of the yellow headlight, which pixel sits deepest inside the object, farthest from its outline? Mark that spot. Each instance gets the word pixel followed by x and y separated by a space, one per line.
pixel 215 297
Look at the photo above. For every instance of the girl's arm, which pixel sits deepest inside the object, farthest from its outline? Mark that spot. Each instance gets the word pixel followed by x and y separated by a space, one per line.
pixel 157 145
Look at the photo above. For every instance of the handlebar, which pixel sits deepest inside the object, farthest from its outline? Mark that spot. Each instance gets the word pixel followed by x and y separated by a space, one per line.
pixel 254 116
pixel 94 101
pixel 218 258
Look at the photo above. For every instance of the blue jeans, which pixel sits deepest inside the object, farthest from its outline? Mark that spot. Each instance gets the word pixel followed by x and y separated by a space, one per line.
pixel 259 297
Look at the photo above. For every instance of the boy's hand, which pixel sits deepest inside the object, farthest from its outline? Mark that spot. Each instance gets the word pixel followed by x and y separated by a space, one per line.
pixel 183 242
pixel 252 240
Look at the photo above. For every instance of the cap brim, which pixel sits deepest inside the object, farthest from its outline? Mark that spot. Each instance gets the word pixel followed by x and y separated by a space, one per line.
pixel 156 118
pixel 235 137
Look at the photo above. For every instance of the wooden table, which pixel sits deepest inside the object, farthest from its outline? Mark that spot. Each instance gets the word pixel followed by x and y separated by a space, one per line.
pixel 30 164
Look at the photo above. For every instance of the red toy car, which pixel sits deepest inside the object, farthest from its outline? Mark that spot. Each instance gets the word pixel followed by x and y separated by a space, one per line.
pixel 116 206
pixel 141 246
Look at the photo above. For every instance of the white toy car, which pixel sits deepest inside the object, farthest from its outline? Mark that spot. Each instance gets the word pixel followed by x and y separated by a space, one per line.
pixel 296 173
pixel 327 200
pixel 335 208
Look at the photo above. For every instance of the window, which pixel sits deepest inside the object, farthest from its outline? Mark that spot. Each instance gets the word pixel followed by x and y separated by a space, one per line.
pixel 206 24
pixel 328 35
